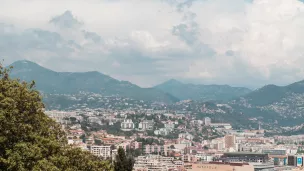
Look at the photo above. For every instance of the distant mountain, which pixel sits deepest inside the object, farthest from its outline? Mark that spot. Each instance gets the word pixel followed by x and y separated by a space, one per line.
pixel 271 93
pixel 51 82
pixel 201 92
pixel 283 105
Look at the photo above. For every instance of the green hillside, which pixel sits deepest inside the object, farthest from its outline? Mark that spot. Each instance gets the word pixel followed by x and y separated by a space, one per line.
pixel 52 82
pixel 202 92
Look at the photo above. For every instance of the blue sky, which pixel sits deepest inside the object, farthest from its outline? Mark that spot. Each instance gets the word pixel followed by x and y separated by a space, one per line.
pixel 238 42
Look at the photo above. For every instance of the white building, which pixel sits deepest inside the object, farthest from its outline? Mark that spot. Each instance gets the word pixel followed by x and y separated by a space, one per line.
pixel 101 151
pixel 170 126
pixel 221 125
pixel 162 131
pixel 155 163
pixel 127 125
pixel 207 121
pixel 94 119
pixel 185 136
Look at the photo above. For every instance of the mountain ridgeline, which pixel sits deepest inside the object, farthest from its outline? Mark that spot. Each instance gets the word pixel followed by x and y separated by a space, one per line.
pixel 202 92
pixel 271 93
pixel 283 105
pixel 51 82
pixel 270 104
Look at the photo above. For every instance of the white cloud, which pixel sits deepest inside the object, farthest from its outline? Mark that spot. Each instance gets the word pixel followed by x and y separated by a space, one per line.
pixel 237 42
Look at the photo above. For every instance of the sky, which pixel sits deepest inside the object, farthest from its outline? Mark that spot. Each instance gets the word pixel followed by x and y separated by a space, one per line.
pixel 247 43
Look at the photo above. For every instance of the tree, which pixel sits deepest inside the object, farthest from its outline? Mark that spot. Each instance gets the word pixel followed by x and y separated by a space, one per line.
pixel 29 139
pixel 122 161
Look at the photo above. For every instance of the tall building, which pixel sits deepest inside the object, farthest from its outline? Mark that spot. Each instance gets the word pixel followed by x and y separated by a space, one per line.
pixel 207 121
pixel 230 141
pixel 127 125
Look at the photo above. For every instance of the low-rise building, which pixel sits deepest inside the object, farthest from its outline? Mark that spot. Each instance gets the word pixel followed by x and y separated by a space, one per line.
pixel 218 166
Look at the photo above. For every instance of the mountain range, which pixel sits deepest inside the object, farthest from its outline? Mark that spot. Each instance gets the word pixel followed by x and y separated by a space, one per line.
pixel 272 104
pixel 283 105
pixel 51 82
pixel 48 81
pixel 202 92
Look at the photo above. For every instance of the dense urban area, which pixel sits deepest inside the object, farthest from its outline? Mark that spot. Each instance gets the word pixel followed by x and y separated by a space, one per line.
pixel 174 139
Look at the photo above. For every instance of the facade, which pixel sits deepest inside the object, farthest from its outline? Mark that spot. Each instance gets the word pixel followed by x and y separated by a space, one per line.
pixel 155 163
pixel 94 120
pixel 156 149
pixel 230 141
pixel 101 151
pixel 222 125
pixel 169 126
pixel 146 125
pixel 127 125
pixel 162 131
pixel 207 121
pixel 185 136
pixel 218 166
pixel 245 157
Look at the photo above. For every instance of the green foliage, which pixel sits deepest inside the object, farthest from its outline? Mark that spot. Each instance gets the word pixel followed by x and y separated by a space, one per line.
pixel 122 162
pixel 134 152
pixel 29 140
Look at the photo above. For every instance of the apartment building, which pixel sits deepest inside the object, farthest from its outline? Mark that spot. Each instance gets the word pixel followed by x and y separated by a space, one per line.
pixel 154 163
pixel 101 151
pixel 146 125
pixel 127 125
pixel 156 149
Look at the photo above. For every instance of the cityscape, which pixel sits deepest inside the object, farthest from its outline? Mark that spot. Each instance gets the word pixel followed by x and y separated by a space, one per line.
pixel 175 140
pixel 152 85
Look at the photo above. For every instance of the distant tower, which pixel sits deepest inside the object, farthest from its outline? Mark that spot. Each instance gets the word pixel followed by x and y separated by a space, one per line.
pixel 207 121
pixel 259 125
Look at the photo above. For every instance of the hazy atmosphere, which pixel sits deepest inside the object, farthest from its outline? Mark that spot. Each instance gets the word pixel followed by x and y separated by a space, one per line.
pixel 237 42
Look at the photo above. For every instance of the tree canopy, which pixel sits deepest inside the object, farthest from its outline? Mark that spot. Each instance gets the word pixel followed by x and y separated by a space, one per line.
pixel 122 161
pixel 29 139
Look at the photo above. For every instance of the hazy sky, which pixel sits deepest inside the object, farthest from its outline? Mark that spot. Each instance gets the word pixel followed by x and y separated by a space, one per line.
pixel 237 42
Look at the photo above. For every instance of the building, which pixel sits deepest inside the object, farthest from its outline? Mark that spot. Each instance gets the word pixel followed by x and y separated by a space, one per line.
pixel 245 157
pixel 169 126
pixel 155 163
pixel 101 151
pixel 230 141
pixel 93 119
pixel 207 121
pixel 146 125
pixel 162 132
pixel 259 161
pixel 218 166
pixel 156 149
pixel 221 125
pixel 127 125
pixel 185 136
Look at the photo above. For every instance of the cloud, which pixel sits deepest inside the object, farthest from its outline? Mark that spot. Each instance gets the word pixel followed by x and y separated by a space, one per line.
pixel 237 42
pixel 92 36
pixel 66 20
